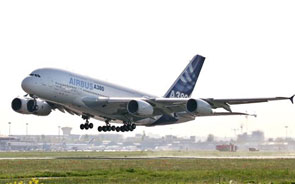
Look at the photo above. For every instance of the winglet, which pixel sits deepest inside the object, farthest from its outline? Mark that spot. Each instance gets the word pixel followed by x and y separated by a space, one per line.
pixel 292 99
pixel 254 115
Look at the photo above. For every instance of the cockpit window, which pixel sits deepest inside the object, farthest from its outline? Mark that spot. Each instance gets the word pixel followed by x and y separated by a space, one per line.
pixel 35 75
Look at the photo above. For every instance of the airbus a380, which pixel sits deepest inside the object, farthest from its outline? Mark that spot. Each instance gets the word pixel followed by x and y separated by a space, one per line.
pixel 49 89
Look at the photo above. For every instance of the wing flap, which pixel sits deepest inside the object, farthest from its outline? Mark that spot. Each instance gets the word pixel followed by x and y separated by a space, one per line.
pixel 230 114
pixel 168 105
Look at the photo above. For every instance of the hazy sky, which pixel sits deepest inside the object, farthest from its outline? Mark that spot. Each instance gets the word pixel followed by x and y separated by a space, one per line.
pixel 249 48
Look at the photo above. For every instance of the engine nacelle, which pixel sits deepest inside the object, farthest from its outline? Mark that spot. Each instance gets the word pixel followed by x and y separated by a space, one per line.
pixel 198 107
pixel 140 108
pixel 20 105
pixel 30 106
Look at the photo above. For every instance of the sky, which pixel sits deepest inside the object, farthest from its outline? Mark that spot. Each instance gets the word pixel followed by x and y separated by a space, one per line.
pixel 144 45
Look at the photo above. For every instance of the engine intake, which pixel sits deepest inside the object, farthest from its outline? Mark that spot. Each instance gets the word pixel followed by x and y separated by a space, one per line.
pixel 20 105
pixel 139 108
pixel 191 105
pixel 16 104
pixel 198 107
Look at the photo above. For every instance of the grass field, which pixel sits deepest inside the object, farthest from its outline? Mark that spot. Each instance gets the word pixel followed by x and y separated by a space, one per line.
pixel 71 170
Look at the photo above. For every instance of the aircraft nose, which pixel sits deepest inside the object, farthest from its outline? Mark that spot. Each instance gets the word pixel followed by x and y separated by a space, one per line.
pixel 27 85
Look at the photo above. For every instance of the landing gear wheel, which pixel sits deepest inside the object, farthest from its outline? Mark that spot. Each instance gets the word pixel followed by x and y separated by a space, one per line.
pixel 86 126
pixel 82 126
pixel 129 127
pixel 113 128
pixel 118 129
pixel 104 128
pixel 133 126
pixel 122 129
pixel 126 128
pixel 99 128
pixel 90 125
pixel 109 128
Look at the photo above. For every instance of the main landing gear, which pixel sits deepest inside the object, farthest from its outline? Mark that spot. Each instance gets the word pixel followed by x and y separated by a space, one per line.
pixel 125 128
pixel 107 128
pixel 86 125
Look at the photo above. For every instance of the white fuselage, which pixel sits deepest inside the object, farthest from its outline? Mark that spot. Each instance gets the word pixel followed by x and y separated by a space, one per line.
pixel 67 89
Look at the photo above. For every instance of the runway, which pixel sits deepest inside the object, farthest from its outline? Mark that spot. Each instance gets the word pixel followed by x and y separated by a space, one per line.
pixel 153 157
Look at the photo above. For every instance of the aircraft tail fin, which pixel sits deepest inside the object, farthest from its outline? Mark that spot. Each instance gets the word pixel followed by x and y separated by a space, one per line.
pixel 185 83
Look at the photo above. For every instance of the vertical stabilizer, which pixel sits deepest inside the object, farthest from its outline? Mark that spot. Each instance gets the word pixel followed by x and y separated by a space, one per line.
pixel 185 83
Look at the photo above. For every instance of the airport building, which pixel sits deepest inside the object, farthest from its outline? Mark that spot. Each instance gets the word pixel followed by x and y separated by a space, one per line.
pixel 116 142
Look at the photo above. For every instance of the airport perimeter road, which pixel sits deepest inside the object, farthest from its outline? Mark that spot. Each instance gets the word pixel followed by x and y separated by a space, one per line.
pixel 146 155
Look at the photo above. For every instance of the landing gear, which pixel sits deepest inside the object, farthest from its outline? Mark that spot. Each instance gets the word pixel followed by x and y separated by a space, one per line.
pixel 125 128
pixel 107 128
pixel 86 125
pixel 32 104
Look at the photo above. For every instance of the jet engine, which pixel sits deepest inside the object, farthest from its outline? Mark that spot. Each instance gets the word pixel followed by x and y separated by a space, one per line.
pixel 31 106
pixel 198 107
pixel 140 108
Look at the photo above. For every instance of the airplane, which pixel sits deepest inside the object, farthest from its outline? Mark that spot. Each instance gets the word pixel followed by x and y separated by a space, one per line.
pixel 50 89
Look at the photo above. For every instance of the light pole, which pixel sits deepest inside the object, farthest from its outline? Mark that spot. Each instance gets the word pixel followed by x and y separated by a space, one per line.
pixel 27 124
pixel 9 124
pixel 235 131
pixel 286 127
pixel 58 133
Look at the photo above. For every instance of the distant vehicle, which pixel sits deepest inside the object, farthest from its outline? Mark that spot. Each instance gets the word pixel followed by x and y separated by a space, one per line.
pixel 253 149
pixel 49 89
pixel 227 147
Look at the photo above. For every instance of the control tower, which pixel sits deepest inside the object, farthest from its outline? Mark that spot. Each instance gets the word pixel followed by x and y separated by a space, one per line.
pixel 66 130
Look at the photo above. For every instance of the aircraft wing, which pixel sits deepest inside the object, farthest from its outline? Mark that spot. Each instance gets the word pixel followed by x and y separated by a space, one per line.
pixel 225 103
pixel 168 105
pixel 117 107
pixel 160 105
pixel 62 109
pixel 121 108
